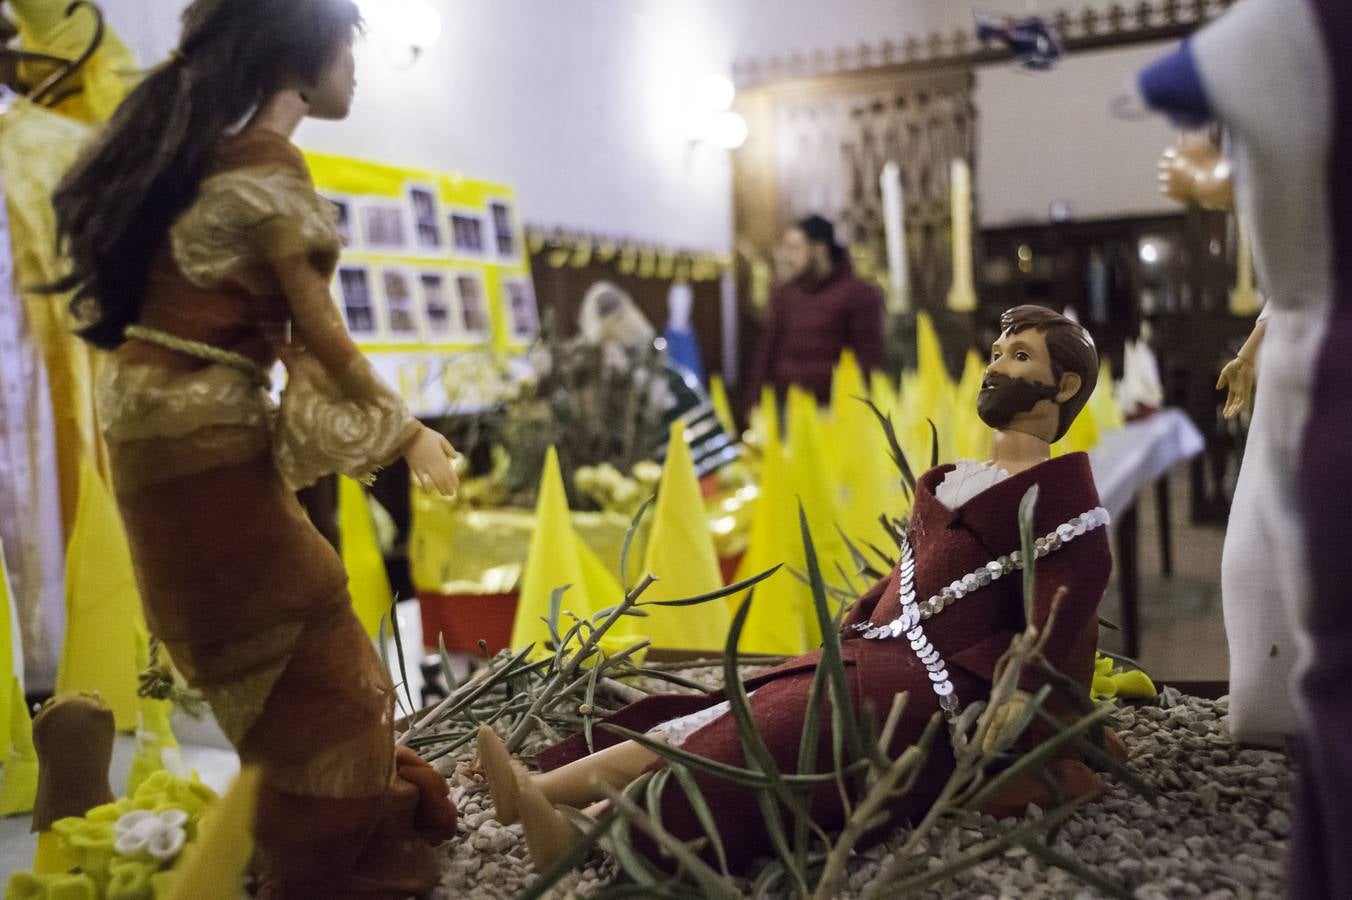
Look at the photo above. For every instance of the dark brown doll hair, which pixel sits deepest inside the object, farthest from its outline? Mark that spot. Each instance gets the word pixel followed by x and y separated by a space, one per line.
pixel 1071 349
pixel 115 206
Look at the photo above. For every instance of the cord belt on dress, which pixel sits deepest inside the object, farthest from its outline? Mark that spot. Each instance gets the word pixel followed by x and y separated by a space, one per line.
pixel 200 350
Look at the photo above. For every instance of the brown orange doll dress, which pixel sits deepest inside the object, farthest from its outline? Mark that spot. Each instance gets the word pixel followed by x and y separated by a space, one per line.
pixel 248 598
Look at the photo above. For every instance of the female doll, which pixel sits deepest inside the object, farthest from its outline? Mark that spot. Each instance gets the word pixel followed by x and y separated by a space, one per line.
pixel 200 255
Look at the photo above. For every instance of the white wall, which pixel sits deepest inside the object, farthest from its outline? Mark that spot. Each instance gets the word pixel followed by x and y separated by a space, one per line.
pixel 1050 136
pixel 576 104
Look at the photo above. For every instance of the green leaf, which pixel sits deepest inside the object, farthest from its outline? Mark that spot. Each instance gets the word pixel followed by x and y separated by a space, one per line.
pixel 720 594
pixel 555 606
pixel 894 447
pixel 1035 757
pixel 702 811
pixel 1076 868
pixel 589 698
pixel 934 444
pixel 446 671
pixel 831 658
pixel 629 541
pixel 399 651
pixel 1029 550
pixel 734 774
pixel 565 864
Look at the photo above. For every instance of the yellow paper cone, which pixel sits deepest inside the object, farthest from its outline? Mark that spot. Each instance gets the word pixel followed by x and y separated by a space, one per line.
pixel 214 868
pixel 765 420
pixel 11 654
pixel 19 778
pixel 106 644
pixel 869 481
pixel 971 437
pixel 718 397
pixel 775 623
pixel 812 485
pixel 681 555
pixel 883 392
pixel 367 581
pixel 557 558
pixel 156 746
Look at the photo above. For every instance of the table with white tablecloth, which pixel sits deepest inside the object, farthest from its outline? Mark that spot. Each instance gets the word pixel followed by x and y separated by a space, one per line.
pixel 1125 462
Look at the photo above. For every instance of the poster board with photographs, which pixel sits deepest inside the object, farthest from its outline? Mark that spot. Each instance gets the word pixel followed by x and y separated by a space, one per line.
pixel 434 262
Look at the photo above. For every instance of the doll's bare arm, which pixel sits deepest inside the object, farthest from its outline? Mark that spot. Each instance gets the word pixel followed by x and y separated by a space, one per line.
pixel 321 329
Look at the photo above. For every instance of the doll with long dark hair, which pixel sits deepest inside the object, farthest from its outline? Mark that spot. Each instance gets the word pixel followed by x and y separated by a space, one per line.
pixel 200 255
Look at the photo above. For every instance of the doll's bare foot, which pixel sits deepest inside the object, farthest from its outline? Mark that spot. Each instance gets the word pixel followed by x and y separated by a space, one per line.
pixel 500 770
pixel 549 834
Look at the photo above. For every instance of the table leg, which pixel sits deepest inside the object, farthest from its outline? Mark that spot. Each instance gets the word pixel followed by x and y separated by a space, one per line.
pixel 1128 580
pixel 1165 519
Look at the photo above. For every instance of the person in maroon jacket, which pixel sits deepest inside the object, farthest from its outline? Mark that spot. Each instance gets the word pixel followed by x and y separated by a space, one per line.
pixel 936 628
pixel 820 311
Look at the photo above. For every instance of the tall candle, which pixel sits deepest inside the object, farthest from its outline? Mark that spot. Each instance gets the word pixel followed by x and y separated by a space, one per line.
pixel 1244 299
pixel 962 295
pixel 894 228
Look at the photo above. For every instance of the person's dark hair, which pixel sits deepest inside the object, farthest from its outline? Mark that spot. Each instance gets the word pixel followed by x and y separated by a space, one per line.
pixel 115 206
pixel 1071 349
pixel 819 230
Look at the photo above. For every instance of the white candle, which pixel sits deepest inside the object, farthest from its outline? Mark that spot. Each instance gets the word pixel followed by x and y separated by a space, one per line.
pixel 894 228
pixel 1244 299
pixel 962 295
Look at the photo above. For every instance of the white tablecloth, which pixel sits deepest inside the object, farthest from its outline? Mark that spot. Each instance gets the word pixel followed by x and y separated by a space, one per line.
pixel 1136 456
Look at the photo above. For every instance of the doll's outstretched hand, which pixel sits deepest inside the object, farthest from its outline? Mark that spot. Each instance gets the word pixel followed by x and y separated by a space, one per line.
pixel 1237 377
pixel 431 462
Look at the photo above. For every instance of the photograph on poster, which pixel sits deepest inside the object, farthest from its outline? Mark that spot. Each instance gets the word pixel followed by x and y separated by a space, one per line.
pixel 403 318
pixel 385 227
pixel 426 221
pixel 468 232
pixel 354 289
pixel 473 306
pixel 502 228
pixel 436 305
pixel 521 310
pixel 342 218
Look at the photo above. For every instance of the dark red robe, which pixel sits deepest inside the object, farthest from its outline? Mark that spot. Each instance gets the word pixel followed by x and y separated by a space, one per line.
pixel 972 635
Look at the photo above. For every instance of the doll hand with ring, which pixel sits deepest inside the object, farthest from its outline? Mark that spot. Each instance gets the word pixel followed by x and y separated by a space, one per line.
pixel 432 462
pixel 1237 377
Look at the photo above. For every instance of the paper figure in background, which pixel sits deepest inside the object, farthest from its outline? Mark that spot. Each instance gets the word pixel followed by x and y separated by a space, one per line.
pixel 1140 392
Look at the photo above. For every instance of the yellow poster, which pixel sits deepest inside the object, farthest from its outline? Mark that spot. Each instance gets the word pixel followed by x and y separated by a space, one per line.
pixel 435 265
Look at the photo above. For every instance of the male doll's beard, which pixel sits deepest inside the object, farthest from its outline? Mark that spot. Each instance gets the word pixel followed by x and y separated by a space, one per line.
pixel 1002 398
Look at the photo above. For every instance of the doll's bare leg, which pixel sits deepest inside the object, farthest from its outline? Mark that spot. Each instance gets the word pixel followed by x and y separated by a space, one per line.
pixel 549 834
pixel 575 785
pixel 579 783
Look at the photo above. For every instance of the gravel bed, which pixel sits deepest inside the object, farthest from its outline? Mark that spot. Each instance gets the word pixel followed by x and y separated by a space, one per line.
pixel 1218 831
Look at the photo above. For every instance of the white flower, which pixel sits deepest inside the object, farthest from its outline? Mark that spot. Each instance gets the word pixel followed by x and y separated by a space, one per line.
pixel 143 833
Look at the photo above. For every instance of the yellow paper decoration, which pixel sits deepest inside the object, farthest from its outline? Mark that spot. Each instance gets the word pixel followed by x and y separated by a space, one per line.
pixel 681 555
pixel 156 746
pixel 775 623
pixel 367 580
pixel 106 644
pixel 718 397
pixel 558 558
pixel 214 868
pixel 9 652
pixel 812 485
pixel 19 778
pixel 869 481
pixel 104 80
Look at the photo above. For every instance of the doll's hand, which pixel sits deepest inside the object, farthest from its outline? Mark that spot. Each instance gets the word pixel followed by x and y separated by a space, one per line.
pixel 1005 717
pixel 1195 171
pixel 1237 377
pixel 431 462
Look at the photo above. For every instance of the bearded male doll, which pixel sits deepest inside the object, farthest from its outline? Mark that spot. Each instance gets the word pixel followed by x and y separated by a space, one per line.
pixel 936 628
